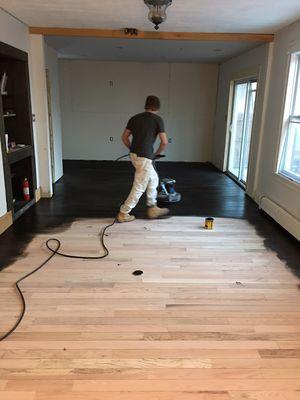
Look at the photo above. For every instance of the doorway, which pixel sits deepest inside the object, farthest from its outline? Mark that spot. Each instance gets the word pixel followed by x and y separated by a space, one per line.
pixel 240 129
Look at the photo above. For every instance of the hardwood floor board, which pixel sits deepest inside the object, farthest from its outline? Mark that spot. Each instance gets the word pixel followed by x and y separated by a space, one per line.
pixel 128 321
pixel 216 373
pixel 136 328
pixel 286 353
pixel 133 344
pixel 71 336
pixel 17 395
pixel 93 328
pixel 103 362
pixel 183 335
pixel 266 321
pixel 278 329
pixel 194 313
pixel 289 345
pixel 31 385
pixel 187 385
pixel 264 395
pixel 190 354
pixel 99 295
pixel 188 395
pixel 236 307
pixel 180 374
pixel 256 363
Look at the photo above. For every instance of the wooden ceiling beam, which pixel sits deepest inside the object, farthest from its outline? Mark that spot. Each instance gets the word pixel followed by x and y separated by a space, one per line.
pixel 120 34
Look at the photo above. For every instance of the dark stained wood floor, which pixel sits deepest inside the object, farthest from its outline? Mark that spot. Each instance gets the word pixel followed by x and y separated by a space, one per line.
pixel 95 190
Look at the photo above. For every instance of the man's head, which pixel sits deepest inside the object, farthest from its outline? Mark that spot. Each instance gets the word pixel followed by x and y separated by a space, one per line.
pixel 152 104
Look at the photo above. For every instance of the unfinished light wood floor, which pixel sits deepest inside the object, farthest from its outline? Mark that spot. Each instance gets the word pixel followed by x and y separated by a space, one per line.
pixel 215 316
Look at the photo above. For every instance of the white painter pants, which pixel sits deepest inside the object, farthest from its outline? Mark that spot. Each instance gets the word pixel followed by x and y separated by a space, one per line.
pixel 145 179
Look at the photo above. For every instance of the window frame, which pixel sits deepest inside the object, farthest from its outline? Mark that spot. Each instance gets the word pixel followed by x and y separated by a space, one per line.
pixel 293 82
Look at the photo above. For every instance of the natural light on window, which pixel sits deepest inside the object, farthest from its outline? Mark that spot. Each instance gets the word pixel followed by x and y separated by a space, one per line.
pixel 289 162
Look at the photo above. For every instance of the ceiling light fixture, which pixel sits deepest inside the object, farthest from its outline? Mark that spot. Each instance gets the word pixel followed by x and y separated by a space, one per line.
pixel 157 13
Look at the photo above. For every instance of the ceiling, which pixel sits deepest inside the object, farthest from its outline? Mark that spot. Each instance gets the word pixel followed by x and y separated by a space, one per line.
pixel 252 16
pixel 145 50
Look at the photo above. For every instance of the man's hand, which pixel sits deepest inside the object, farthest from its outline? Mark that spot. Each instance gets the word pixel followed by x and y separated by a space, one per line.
pixel 163 143
pixel 126 138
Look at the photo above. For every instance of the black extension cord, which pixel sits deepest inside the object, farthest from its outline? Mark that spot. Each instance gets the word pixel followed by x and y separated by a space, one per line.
pixel 53 253
pixel 121 158
pixel 58 253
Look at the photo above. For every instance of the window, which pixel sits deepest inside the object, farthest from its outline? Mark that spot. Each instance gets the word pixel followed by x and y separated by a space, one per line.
pixel 289 159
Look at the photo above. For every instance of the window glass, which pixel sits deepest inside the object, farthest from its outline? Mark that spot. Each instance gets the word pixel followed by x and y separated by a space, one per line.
pixel 289 164
pixel 296 102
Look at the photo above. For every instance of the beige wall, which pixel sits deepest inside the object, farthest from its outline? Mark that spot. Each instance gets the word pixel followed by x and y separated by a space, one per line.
pixel 98 98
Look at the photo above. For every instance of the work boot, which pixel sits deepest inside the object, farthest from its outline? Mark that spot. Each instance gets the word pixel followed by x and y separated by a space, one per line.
pixel 121 217
pixel 155 212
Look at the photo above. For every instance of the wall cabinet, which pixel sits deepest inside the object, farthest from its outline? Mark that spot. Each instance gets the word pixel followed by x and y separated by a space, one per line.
pixel 16 131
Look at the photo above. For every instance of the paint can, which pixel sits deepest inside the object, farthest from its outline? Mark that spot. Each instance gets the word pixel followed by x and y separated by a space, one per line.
pixel 209 223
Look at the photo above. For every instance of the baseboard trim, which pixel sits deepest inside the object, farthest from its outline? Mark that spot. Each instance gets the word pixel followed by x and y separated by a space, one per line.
pixel 5 222
pixel 38 194
pixel 280 215
pixel 46 195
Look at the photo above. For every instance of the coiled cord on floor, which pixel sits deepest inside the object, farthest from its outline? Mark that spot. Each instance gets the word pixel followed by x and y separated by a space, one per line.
pixel 54 251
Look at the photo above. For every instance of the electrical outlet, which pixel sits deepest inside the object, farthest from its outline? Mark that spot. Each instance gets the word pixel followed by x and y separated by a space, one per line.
pixel 170 140
pixel 111 139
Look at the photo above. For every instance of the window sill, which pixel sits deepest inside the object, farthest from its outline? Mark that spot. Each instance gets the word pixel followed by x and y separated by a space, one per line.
pixel 290 183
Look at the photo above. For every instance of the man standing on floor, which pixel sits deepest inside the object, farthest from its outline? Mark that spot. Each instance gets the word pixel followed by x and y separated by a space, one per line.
pixel 139 137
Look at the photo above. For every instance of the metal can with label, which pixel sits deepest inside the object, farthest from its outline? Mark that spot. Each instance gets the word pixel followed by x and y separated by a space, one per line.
pixel 209 223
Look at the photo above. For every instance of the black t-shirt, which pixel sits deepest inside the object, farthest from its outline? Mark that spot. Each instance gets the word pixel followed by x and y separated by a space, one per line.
pixel 144 128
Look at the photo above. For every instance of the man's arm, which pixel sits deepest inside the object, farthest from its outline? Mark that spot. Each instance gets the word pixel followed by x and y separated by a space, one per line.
pixel 126 138
pixel 163 143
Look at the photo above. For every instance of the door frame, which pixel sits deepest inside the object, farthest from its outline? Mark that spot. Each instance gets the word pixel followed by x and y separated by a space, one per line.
pixel 233 83
pixel 51 132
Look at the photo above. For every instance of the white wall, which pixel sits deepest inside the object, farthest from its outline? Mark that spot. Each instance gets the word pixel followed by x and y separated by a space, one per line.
pixel 52 66
pixel 93 109
pixel 15 34
pixel 271 185
pixel 254 62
